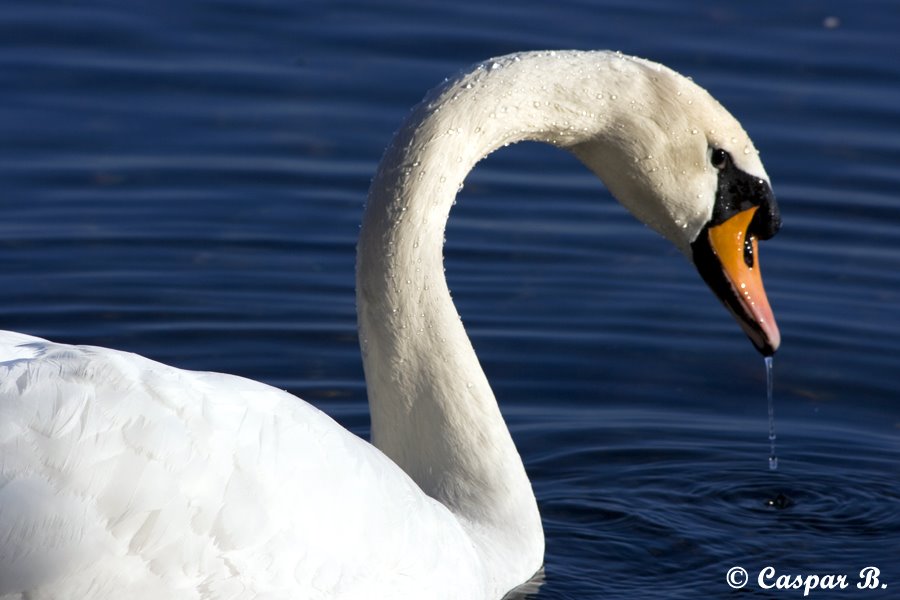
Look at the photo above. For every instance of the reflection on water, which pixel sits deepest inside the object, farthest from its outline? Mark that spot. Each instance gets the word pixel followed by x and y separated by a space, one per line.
pixel 529 589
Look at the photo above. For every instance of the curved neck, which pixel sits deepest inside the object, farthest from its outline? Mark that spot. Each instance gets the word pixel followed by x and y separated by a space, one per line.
pixel 432 409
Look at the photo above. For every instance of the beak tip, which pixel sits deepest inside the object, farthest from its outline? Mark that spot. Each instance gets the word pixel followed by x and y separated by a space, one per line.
pixel 768 350
pixel 767 339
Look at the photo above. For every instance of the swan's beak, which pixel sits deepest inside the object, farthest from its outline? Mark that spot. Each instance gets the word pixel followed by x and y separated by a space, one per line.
pixel 728 260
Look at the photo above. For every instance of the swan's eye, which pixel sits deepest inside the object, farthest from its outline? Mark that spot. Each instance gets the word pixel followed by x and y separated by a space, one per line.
pixel 719 158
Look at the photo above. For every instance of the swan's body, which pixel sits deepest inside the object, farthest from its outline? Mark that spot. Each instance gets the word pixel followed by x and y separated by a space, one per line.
pixel 126 478
pixel 121 477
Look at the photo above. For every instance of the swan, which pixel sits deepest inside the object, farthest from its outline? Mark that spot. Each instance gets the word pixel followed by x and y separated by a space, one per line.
pixel 121 477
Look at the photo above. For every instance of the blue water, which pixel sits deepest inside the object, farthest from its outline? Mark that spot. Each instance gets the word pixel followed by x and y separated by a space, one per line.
pixel 185 180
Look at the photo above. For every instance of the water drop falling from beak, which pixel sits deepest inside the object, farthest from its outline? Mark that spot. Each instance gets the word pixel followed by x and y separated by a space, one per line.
pixel 773 459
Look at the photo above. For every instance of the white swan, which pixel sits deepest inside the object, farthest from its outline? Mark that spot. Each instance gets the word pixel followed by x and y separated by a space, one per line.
pixel 124 478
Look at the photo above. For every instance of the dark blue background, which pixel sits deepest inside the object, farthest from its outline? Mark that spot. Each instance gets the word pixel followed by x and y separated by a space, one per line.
pixel 185 180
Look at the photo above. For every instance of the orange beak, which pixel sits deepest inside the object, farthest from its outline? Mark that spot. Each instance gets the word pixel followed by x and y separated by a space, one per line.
pixel 728 259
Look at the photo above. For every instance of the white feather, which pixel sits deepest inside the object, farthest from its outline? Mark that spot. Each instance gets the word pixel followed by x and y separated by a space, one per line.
pixel 122 477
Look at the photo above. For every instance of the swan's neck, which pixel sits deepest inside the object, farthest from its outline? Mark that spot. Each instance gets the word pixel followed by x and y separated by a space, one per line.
pixel 433 411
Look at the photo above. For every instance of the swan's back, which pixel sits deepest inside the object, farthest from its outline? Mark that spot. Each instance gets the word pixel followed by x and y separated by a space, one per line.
pixel 122 477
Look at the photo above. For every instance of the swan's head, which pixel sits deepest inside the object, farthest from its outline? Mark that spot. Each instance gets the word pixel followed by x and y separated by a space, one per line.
pixel 675 158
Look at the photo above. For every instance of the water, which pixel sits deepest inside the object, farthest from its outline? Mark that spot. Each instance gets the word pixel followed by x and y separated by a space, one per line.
pixel 185 180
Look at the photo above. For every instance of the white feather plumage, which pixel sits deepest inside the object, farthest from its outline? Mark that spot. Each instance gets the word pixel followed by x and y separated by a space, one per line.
pixel 124 477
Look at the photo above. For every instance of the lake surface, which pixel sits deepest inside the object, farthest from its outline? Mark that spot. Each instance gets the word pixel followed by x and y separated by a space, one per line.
pixel 185 181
